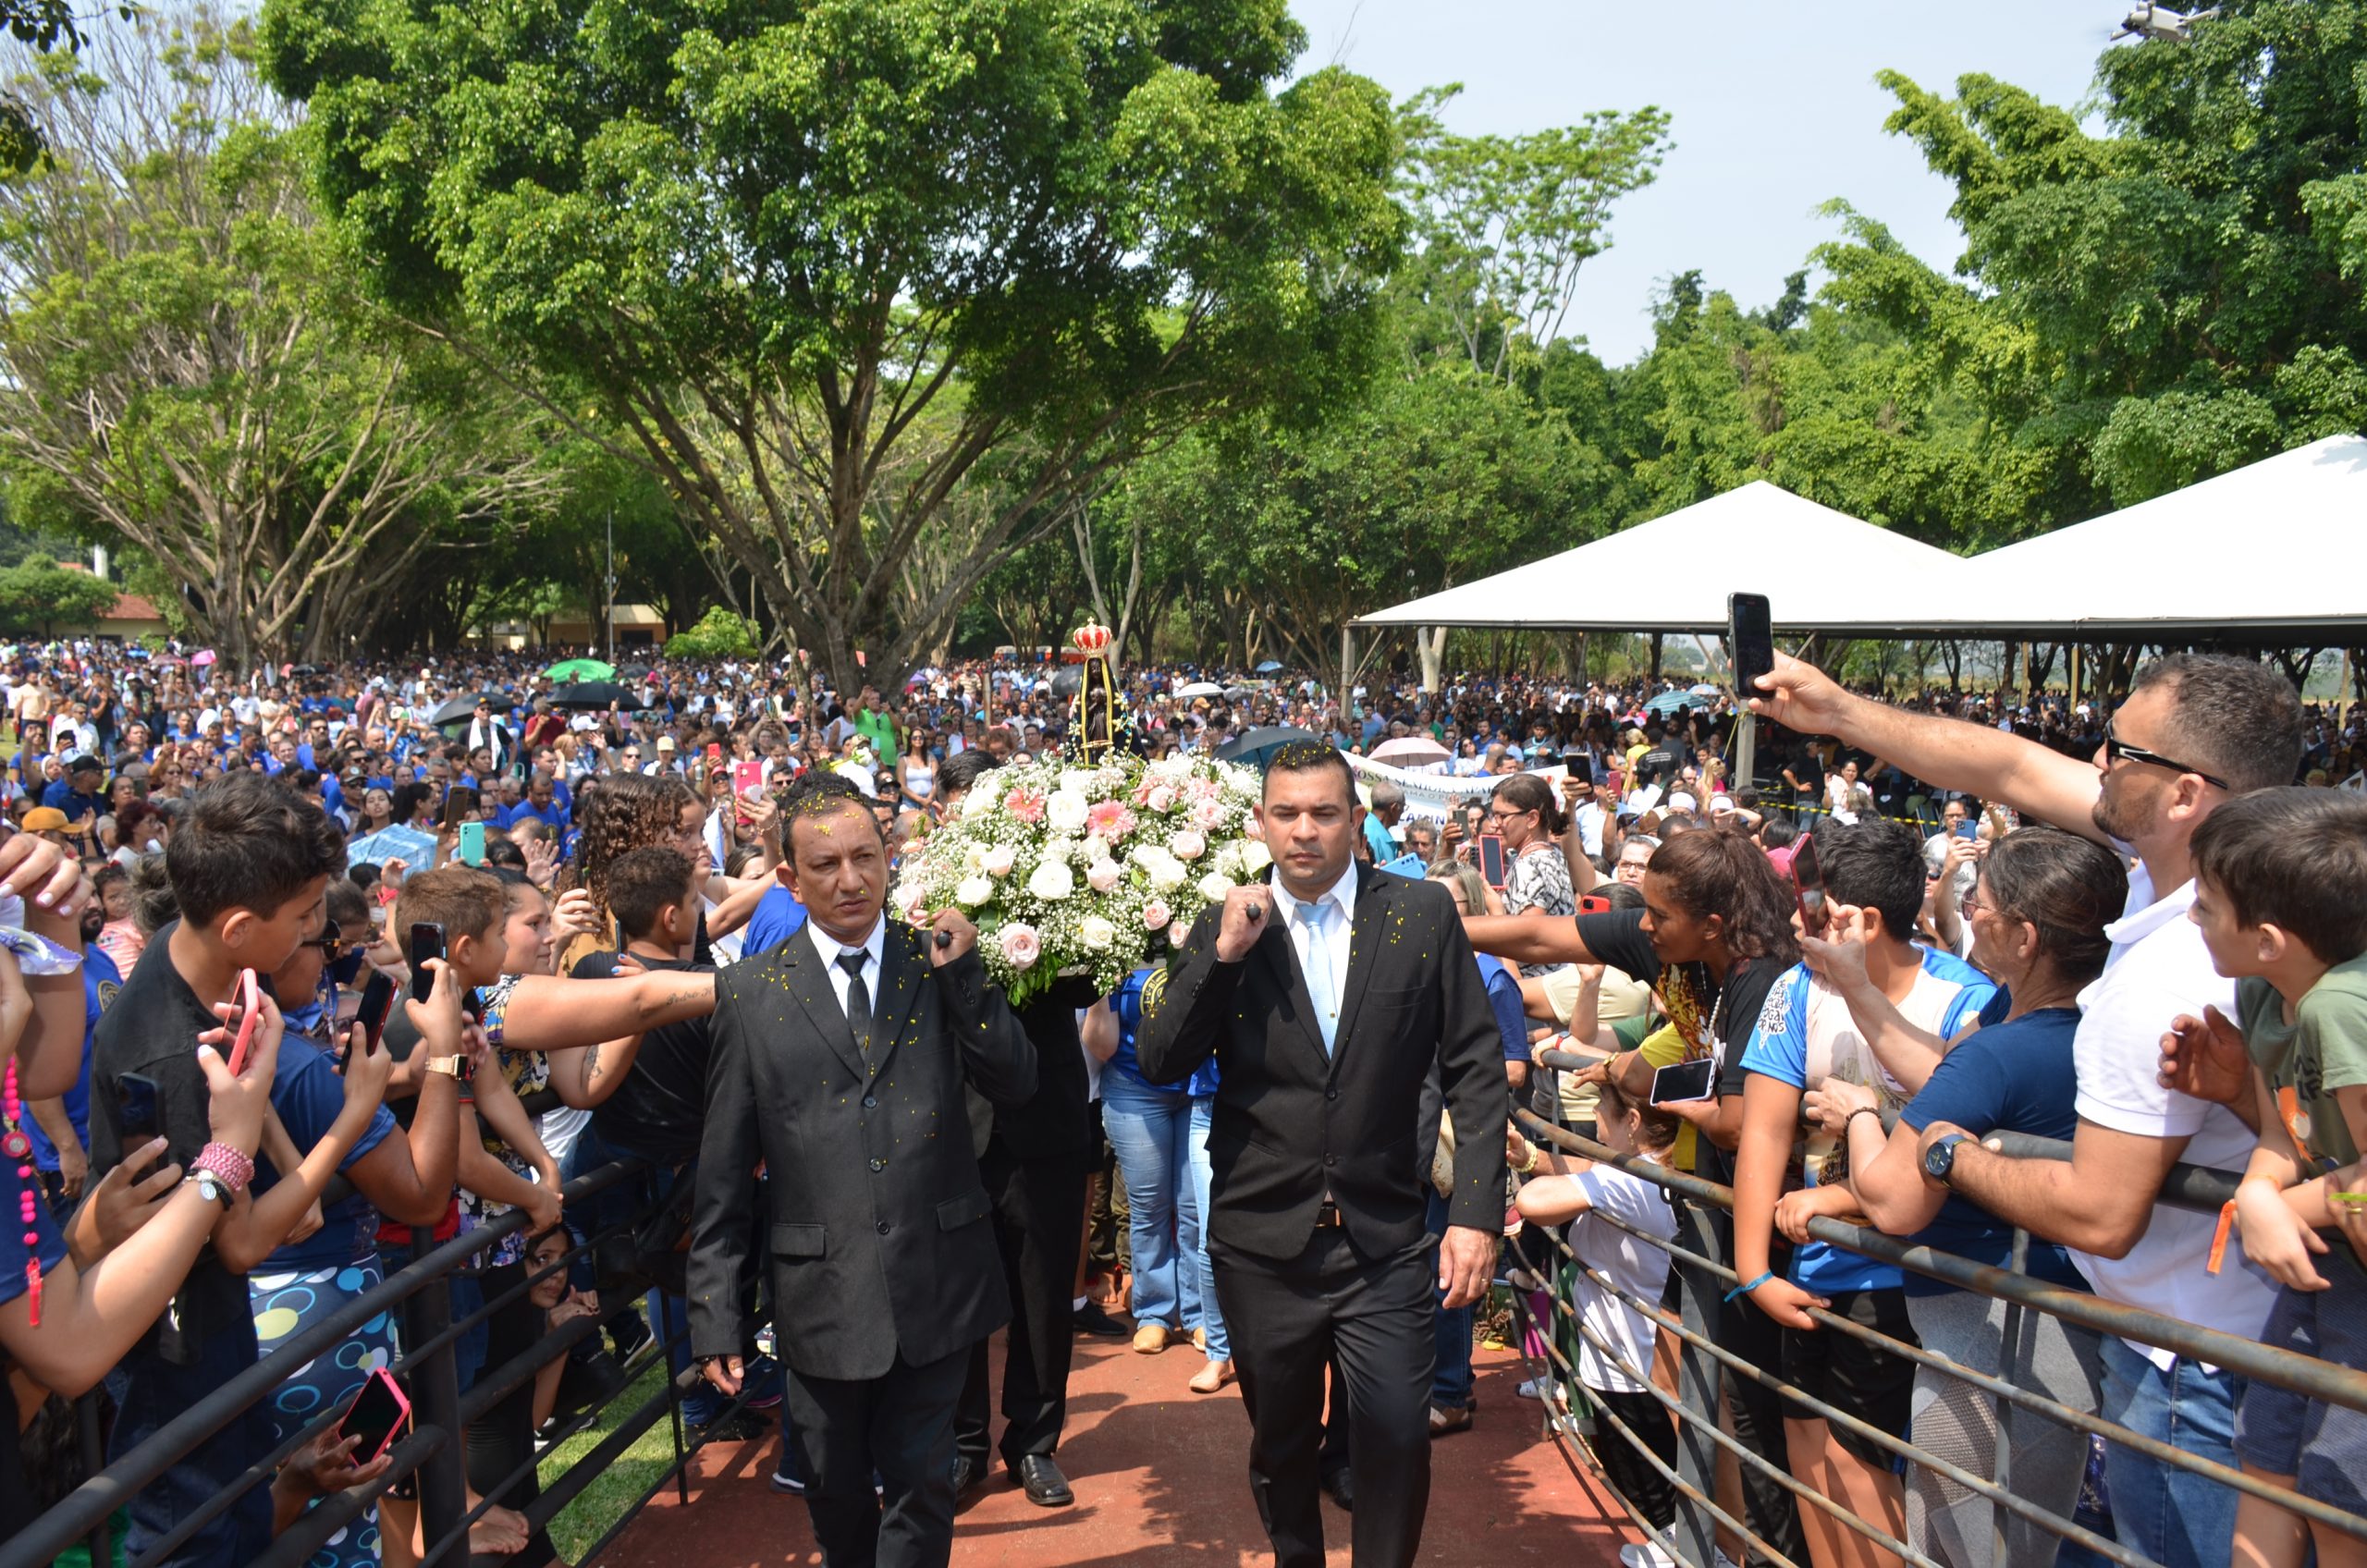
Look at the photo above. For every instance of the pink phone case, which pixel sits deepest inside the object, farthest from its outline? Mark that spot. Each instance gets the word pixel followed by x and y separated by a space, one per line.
pixel 250 1007
pixel 381 1375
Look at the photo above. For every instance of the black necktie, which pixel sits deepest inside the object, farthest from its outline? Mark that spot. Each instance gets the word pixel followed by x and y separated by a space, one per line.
pixel 858 999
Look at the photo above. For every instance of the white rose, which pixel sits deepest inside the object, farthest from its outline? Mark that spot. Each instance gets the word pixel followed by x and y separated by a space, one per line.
pixel 1065 812
pixel 1255 856
pixel 1187 845
pixel 1166 874
pixel 1052 881
pixel 997 862
pixel 1097 847
pixel 1095 933
pixel 974 858
pixel 1179 933
pixel 1214 886
pixel 1076 781
pixel 970 893
pixel 1102 875
pixel 977 803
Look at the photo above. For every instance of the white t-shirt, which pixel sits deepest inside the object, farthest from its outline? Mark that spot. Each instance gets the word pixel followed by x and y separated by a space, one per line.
pixel 2159 969
pixel 1638 1268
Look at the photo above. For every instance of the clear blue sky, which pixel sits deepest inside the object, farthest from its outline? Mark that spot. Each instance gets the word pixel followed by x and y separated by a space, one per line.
pixel 1775 111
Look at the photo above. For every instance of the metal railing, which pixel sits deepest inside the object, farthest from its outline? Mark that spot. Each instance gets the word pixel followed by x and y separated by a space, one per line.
pixel 434 1450
pixel 1702 1363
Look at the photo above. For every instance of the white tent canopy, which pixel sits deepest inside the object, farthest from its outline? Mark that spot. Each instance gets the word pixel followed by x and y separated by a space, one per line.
pixel 2281 544
pixel 1822 570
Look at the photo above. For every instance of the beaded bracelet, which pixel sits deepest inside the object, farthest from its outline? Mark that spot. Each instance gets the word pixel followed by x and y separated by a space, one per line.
pixel 233 1168
pixel 19 1147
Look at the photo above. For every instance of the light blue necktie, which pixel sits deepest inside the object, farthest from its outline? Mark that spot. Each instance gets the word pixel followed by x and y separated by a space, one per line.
pixel 1315 917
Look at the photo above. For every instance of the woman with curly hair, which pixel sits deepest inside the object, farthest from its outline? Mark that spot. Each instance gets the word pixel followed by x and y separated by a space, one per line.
pixel 624 812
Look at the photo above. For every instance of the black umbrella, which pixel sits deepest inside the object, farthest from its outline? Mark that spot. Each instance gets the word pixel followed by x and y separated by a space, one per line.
pixel 1255 748
pixel 593 694
pixel 1068 681
pixel 1236 694
pixel 632 672
pixel 460 709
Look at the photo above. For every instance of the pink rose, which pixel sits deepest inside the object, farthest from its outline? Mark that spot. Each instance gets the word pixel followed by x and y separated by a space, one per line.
pixel 1102 875
pixel 1161 799
pixel 1187 846
pixel 1207 815
pixel 1156 913
pixel 1027 806
pixel 1020 945
pixel 1179 933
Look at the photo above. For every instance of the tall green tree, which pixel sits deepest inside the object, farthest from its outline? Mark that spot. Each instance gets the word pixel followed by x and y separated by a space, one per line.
pixel 183 363
pixel 823 259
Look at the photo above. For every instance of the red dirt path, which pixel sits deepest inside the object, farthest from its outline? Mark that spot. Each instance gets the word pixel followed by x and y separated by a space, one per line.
pixel 1161 1478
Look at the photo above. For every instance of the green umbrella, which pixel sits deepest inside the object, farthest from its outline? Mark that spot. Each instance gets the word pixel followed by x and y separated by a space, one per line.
pixel 582 669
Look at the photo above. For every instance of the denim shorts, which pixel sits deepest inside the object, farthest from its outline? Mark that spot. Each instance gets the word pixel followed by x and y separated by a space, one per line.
pixel 2323 1446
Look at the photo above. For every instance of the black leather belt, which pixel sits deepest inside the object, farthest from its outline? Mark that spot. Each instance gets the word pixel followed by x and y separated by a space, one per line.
pixel 1327 1215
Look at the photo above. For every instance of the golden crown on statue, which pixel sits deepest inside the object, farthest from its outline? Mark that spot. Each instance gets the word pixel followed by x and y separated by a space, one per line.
pixel 1092 639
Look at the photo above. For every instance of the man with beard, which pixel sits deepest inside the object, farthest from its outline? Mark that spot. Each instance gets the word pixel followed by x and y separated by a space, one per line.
pixel 2195 732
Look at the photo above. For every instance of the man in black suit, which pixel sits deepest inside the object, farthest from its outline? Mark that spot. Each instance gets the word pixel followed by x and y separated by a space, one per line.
pixel 840 1059
pixel 1327 996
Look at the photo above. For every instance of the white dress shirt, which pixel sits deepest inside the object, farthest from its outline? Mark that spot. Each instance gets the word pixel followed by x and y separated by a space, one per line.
pixel 1342 896
pixel 830 947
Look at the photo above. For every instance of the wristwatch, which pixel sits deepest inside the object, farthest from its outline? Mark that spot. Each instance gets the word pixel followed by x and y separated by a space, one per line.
pixel 450 1066
pixel 1940 1159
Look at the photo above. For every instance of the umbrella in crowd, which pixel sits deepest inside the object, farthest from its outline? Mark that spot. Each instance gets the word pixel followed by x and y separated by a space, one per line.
pixel 594 694
pixel 1254 748
pixel 1671 702
pixel 457 710
pixel 409 845
pixel 1200 689
pixel 582 669
pixel 1269 667
pixel 1409 751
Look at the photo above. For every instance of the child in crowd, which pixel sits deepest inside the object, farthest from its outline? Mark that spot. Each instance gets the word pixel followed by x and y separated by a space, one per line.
pixel 1594 1195
pixel 2281 898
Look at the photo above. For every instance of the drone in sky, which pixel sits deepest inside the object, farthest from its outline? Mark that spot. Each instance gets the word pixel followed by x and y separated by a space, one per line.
pixel 2160 24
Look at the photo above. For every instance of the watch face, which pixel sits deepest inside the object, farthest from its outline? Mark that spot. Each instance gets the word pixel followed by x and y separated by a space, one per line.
pixel 1940 1159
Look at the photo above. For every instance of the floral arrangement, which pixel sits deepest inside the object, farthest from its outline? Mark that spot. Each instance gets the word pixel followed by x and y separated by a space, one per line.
pixel 1085 870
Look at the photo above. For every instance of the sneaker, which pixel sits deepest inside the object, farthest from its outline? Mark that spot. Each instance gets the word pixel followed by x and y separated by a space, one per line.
pixel 764 1382
pixel 1092 1320
pixel 784 1482
pixel 1646 1554
pixel 1539 1388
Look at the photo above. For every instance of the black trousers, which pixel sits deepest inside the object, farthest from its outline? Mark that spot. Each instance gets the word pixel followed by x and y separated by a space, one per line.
pixel 899 1426
pixel 502 1439
pixel 1039 1225
pixel 1371 1318
pixel 1629 1470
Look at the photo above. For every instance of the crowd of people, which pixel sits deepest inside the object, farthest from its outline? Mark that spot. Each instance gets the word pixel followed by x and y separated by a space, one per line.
pixel 2137 929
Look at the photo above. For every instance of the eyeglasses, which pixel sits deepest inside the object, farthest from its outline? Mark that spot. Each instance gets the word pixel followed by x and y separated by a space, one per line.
pixel 1970 904
pixel 2116 749
pixel 331 941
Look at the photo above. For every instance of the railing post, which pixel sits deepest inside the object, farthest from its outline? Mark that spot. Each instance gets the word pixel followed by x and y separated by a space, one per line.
pixel 2013 1366
pixel 1696 1542
pixel 92 1448
pixel 436 1400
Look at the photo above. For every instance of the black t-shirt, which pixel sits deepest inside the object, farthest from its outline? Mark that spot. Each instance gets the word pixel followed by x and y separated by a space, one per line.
pixel 657 1110
pixel 1659 765
pixel 1726 1012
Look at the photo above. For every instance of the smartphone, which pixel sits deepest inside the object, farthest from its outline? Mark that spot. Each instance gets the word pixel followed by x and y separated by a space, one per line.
pixel 1593 903
pixel 1750 640
pixel 1492 860
pixel 747 775
pixel 1967 831
pixel 378 1001
pixel 714 752
pixel 1807 876
pixel 426 942
pixel 139 1113
pixel 377 1415
pixel 1685 1081
pixel 249 1010
pixel 472 849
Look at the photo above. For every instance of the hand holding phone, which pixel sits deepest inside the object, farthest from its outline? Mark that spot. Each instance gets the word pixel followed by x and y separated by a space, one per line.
pixel 1685 1081
pixel 1807 878
pixel 426 942
pixel 249 1010
pixel 378 1415
pixel 472 849
pixel 1492 860
pixel 1750 641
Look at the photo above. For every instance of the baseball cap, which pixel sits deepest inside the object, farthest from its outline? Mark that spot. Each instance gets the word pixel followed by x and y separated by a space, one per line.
pixel 45 819
pixel 665 743
pixel 84 764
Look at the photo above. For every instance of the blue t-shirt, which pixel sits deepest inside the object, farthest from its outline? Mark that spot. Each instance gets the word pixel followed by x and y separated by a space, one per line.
pixel 1504 998
pixel 2014 1077
pixel 1779 1049
pixel 1127 1003
pixel 776 919
pixel 1384 848
pixel 101 981
pixel 308 1095
pixel 63 796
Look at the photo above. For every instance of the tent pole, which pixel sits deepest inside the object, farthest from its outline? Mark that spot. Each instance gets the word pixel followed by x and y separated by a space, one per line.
pixel 1347 670
pixel 2075 674
pixel 1746 748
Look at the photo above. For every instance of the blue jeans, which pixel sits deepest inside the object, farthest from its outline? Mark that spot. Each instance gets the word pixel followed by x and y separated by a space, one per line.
pixel 2180 1520
pixel 1451 1371
pixel 1150 1130
pixel 1211 1318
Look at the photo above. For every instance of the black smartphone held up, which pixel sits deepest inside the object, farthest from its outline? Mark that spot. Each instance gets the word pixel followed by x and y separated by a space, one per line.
pixel 1492 860
pixel 1685 1081
pixel 1807 876
pixel 378 1001
pixel 426 942
pixel 139 1115
pixel 377 1415
pixel 1750 640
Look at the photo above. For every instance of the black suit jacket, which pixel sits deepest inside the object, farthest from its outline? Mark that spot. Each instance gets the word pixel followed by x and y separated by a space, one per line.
pixel 877 1226
pixel 1289 1124
pixel 1055 1124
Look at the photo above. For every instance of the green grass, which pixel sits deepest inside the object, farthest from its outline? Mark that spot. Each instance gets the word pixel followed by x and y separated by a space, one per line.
pixel 616 1489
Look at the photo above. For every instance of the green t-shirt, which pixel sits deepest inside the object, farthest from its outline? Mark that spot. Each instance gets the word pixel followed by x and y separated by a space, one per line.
pixel 878 729
pixel 2324 1049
